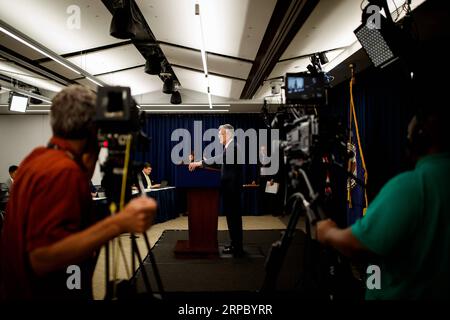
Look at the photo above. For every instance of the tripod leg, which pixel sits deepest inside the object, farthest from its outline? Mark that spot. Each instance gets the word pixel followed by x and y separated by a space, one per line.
pixel 278 251
pixel 144 272
pixel 154 266
pixel 133 262
pixel 108 292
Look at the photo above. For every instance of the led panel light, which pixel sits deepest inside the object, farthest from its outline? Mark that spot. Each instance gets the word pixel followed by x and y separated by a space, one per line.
pixel 376 46
pixel 384 41
pixel 18 103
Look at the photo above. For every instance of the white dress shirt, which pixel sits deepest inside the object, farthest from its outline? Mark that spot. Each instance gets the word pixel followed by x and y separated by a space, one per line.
pixel 149 182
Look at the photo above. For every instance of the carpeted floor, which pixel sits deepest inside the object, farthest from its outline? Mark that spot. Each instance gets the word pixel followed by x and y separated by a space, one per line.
pixel 225 273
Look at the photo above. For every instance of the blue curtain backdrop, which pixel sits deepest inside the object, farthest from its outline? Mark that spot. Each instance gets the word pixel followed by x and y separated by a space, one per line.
pixel 160 127
pixel 384 105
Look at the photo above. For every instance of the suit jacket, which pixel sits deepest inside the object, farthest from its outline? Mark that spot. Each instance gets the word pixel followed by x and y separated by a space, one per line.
pixel 144 181
pixel 230 170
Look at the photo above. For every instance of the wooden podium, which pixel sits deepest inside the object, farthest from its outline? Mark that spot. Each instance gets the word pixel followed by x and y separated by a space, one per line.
pixel 202 187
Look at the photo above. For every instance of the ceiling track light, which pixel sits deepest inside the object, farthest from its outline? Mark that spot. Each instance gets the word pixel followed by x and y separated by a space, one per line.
pixel 323 58
pixel 154 59
pixel 34 100
pixel 22 38
pixel 25 92
pixel 124 22
pixel 175 98
pixel 152 66
pixel 203 53
pixel 168 86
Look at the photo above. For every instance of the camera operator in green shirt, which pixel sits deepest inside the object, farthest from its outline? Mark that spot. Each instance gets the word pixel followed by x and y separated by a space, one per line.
pixel 408 224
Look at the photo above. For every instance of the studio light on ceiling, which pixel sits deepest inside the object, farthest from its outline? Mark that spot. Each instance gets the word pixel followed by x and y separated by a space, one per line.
pixel 323 58
pixel 383 41
pixel 154 59
pixel 17 102
pixel 152 66
pixel 20 92
pixel 124 24
pixel 376 45
pixel 34 100
pixel 175 98
pixel 168 86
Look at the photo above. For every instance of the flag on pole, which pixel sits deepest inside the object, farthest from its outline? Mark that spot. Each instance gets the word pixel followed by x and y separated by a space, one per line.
pixel 356 188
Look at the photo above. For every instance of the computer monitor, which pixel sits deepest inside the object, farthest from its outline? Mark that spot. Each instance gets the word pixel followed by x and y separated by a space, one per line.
pixel 164 183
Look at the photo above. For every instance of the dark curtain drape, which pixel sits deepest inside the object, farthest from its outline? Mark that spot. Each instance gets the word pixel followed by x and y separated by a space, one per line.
pixel 384 104
pixel 160 127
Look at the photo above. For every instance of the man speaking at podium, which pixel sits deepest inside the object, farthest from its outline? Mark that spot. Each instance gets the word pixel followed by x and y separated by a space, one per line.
pixel 230 186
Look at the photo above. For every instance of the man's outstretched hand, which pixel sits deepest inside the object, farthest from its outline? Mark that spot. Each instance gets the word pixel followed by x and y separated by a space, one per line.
pixel 194 165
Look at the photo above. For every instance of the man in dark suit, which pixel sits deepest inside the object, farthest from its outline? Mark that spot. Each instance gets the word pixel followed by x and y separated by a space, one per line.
pixel 145 175
pixel 230 186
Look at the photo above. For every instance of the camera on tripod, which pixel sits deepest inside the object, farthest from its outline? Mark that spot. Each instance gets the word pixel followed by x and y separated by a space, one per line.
pixel 119 125
pixel 315 152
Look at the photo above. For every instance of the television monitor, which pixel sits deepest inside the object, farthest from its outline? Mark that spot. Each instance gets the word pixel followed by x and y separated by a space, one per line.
pixel 305 88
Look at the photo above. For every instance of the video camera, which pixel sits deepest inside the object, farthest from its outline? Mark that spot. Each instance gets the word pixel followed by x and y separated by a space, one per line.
pixel 119 124
pixel 312 142
pixel 311 138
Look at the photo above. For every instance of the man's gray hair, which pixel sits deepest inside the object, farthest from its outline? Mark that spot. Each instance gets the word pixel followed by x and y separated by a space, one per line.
pixel 72 112
pixel 229 129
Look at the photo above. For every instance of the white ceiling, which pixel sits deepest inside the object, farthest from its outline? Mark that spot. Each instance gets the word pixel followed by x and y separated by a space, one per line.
pixel 231 27
pixel 46 22
pixel 107 60
pixel 216 64
pixel 233 31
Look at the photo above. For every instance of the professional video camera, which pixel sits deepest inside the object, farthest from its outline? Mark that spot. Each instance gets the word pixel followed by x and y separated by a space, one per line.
pixel 309 134
pixel 313 143
pixel 119 125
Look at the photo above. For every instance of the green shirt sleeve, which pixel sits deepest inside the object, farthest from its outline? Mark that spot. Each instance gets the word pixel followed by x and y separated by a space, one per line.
pixel 391 218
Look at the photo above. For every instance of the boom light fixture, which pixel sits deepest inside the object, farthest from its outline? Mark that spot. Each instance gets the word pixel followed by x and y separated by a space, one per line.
pixel 203 53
